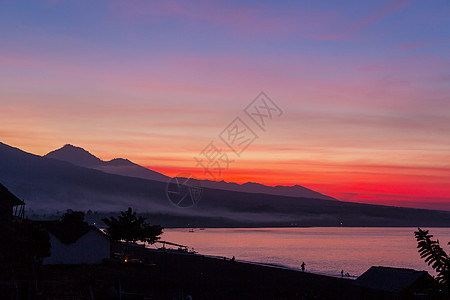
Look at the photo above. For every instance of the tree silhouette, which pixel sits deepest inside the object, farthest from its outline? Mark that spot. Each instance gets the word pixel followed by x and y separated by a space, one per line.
pixel 130 228
pixel 434 256
pixel 73 218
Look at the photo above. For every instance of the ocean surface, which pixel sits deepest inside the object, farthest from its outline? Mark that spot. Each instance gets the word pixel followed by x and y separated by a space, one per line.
pixel 324 250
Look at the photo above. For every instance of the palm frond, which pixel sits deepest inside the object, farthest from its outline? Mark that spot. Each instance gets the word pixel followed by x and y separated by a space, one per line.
pixel 434 255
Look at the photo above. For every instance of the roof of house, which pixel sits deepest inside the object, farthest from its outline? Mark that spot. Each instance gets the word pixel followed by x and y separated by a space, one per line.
pixel 389 279
pixel 7 195
pixel 67 233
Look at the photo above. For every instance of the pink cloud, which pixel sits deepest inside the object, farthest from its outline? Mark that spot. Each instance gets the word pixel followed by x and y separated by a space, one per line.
pixel 416 45
pixel 381 13
pixel 410 46
pixel 354 27
pixel 240 18
pixel 249 22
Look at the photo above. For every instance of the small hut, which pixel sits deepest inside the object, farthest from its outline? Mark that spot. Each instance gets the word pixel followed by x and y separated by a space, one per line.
pixel 11 207
pixel 75 243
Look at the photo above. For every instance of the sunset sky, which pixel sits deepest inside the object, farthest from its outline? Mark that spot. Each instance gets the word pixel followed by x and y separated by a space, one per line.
pixel 364 88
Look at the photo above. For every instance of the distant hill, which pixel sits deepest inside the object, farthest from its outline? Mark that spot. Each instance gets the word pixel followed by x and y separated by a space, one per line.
pixel 47 185
pixel 280 190
pixel 81 157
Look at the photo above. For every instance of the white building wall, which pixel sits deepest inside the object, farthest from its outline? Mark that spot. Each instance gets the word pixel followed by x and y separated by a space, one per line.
pixel 91 248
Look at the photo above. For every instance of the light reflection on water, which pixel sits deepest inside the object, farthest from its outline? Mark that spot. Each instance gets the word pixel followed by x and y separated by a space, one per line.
pixel 324 250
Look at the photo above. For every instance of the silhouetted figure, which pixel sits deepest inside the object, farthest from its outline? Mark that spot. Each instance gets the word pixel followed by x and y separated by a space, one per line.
pixel 303 266
pixel 342 273
pixel 347 274
pixel 233 258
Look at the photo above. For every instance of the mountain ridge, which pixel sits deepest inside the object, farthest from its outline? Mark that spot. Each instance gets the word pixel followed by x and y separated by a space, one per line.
pixel 121 166
pixel 76 155
pixel 48 185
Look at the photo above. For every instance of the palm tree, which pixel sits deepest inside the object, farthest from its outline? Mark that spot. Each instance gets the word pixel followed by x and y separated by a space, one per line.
pixel 435 256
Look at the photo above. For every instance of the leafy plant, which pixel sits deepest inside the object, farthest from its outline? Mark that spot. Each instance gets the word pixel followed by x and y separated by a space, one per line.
pixel 434 256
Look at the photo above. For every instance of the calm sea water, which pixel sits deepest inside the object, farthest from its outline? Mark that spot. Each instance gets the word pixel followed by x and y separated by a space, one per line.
pixel 324 250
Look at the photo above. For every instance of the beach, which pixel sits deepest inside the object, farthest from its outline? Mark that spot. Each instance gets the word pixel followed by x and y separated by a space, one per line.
pixel 163 275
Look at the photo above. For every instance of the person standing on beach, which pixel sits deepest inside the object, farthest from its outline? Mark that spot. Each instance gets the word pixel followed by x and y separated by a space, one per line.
pixel 303 266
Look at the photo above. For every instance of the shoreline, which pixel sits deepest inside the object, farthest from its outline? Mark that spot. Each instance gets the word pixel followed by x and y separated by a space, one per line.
pixel 269 246
pixel 162 275
pixel 278 266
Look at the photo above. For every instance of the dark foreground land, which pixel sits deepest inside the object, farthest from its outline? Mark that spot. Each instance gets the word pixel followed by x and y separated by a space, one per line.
pixel 168 276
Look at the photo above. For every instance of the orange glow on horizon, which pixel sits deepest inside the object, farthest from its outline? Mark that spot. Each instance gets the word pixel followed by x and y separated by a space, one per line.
pixel 416 185
pixel 373 188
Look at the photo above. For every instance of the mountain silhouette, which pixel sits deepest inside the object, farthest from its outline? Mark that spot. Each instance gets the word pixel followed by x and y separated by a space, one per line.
pixel 75 155
pixel 47 185
pixel 279 190
pixel 81 157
